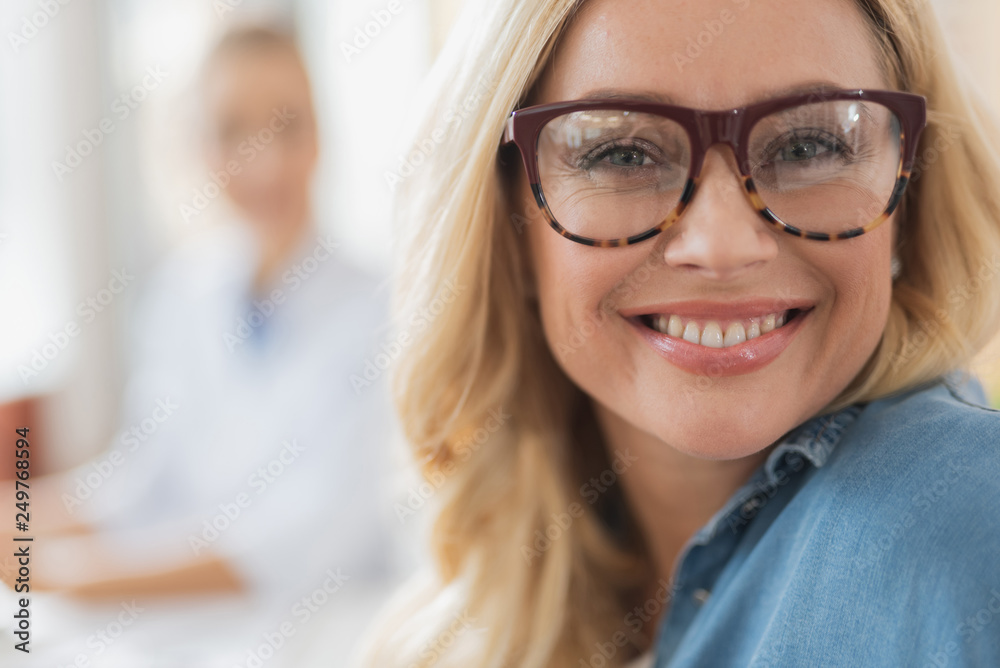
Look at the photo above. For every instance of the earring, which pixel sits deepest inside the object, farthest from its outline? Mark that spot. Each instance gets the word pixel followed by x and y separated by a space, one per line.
pixel 895 267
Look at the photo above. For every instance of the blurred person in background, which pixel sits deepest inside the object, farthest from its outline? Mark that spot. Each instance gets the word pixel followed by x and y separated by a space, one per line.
pixel 246 460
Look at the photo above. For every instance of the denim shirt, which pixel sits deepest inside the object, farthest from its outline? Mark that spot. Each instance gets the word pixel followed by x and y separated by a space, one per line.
pixel 869 537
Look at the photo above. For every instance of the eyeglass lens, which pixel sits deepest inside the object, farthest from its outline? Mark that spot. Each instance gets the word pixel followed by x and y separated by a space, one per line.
pixel 823 167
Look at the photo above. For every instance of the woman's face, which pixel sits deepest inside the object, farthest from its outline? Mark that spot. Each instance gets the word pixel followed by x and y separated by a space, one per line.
pixel 262 136
pixel 720 263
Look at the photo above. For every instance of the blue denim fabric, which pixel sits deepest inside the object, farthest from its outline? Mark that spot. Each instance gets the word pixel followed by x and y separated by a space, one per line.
pixel 870 537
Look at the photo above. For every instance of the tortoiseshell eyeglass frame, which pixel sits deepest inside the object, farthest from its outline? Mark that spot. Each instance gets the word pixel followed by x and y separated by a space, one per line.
pixel 705 129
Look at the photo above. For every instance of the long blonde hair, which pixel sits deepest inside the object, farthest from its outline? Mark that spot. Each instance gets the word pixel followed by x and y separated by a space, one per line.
pixel 520 579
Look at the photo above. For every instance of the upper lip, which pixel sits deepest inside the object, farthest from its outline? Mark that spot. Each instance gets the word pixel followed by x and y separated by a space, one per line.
pixel 715 310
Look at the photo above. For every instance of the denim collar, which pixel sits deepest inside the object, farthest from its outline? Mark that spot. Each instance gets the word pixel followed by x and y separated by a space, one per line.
pixel 814 441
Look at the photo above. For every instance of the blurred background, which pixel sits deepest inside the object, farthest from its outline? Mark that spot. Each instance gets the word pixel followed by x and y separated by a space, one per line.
pixel 101 177
pixel 62 234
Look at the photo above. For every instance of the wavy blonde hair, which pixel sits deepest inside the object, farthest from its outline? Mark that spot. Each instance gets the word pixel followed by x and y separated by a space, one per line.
pixel 486 351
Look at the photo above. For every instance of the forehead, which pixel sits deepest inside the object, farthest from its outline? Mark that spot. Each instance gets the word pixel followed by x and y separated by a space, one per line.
pixel 712 53
pixel 241 77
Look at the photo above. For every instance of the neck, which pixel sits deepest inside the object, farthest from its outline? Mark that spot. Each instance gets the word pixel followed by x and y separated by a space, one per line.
pixel 276 251
pixel 672 494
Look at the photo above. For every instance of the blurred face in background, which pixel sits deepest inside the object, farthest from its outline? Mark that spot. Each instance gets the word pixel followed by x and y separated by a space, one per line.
pixel 261 133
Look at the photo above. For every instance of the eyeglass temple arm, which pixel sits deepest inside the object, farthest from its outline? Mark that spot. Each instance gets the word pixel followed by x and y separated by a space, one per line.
pixel 508 131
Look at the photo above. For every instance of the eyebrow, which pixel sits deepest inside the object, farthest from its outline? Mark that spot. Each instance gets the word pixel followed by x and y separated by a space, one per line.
pixel 656 97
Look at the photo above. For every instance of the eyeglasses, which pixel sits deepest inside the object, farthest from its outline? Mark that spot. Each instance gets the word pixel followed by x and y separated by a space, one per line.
pixel 823 166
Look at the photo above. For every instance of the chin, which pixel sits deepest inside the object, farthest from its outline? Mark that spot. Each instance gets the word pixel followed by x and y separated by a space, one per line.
pixel 721 433
pixel 737 446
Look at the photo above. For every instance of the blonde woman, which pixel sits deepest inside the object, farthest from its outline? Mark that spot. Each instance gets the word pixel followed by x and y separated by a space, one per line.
pixel 722 265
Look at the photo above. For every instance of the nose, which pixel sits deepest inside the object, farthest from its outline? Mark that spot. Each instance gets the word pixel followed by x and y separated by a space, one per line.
pixel 720 235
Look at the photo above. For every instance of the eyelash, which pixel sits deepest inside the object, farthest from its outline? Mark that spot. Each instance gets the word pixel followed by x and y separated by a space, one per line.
pixel 595 155
pixel 832 143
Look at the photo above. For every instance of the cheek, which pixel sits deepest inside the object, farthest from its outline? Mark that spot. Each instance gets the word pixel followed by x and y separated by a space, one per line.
pixel 579 289
pixel 564 292
pixel 862 288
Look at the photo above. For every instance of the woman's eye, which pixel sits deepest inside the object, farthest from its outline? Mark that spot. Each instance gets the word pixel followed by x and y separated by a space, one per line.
pixel 802 147
pixel 802 150
pixel 627 157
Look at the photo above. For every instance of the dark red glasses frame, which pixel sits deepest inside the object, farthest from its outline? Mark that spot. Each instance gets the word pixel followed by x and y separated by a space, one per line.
pixel 707 128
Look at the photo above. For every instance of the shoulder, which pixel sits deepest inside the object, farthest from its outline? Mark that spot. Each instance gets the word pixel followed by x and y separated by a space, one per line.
pixel 934 449
pixel 325 271
pixel 342 292
pixel 892 544
pixel 950 412
pixel 211 256
pixel 913 487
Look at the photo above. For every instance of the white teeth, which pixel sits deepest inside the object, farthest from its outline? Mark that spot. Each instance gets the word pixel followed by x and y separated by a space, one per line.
pixel 691 333
pixel 735 334
pixel 675 327
pixel 712 336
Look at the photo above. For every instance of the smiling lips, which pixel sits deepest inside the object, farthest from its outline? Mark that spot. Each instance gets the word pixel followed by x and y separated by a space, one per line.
pixel 701 338
pixel 716 334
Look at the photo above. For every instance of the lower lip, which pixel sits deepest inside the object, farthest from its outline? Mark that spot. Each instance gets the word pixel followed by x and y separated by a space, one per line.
pixel 737 360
